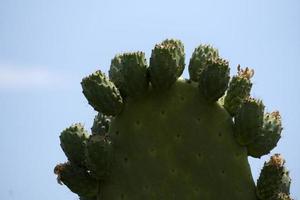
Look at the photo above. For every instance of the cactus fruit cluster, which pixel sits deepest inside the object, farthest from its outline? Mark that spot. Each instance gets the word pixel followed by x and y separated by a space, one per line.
pixel 161 137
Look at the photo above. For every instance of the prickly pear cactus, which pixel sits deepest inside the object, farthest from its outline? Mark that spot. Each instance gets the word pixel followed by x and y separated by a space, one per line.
pixel 161 137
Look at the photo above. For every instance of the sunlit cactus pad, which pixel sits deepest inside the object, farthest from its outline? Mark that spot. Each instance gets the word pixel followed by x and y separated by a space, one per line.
pixel 158 136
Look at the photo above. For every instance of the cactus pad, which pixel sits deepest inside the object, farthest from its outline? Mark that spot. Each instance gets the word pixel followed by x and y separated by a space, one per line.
pixel 172 138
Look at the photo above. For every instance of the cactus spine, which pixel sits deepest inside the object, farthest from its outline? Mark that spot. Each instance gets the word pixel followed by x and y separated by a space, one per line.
pixel 158 136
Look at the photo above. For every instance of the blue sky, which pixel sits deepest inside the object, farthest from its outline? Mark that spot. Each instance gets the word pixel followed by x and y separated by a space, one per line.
pixel 46 47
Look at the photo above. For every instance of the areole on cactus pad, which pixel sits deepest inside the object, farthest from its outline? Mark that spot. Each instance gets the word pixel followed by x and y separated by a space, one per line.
pixel 162 137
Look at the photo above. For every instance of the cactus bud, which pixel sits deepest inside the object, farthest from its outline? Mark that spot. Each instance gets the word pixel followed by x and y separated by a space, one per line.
pixel 248 121
pixel 99 156
pixel 129 73
pixel 77 179
pixel 268 137
pixel 274 179
pixel 198 61
pixel 102 94
pixel 73 142
pixel 213 79
pixel 166 63
pixel 238 90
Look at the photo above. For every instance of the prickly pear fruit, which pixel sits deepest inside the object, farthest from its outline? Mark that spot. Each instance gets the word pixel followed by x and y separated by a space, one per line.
pixel 73 142
pixel 166 63
pixel 268 137
pixel 129 73
pixel 213 79
pixel 201 55
pixel 238 90
pixel 102 94
pixel 248 121
pixel 274 179
pixel 77 179
pixel 101 124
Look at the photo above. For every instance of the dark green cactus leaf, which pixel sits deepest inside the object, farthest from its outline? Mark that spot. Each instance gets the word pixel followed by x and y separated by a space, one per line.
pixel 129 73
pixel 166 63
pixel 268 137
pixel 248 121
pixel 73 142
pixel 102 94
pixel 238 90
pixel 213 79
pixel 101 124
pixel 77 179
pixel 99 156
pixel 198 61
pixel 274 179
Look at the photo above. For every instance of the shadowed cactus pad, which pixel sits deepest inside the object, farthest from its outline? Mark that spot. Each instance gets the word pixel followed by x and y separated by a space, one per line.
pixel 172 138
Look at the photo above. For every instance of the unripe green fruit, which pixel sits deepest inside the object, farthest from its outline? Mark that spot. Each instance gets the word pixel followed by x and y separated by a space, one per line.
pixel 213 79
pixel 101 124
pixel 248 121
pixel 102 94
pixel 268 136
pixel 129 73
pixel 201 55
pixel 73 142
pixel 77 179
pixel 274 179
pixel 166 63
pixel 99 156
pixel 238 90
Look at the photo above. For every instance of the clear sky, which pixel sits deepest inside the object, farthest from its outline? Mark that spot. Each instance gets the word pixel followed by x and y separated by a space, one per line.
pixel 47 47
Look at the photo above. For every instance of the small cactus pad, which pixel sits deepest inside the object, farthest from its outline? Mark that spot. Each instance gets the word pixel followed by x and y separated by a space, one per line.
pixel 166 63
pixel 213 79
pixel 248 121
pixel 268 137
pixel 129 73
pixel 101 124
pixel 238 90
pixel 73 141
pixel 274 179
pixel 99 156
pixel 77 179
pixel 102 94
pixel 198 61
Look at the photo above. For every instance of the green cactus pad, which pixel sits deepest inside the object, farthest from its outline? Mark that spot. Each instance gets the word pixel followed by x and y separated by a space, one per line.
pixel 102 94
pixel 73 142
pixel 166 63
pixel 199 59
pixel 99 156
pixel 268 137
pixel 274 179
pixel 160 154
pixel 77 179
pixel 238 90
pixel 101 124
pixel 213 79
pixel 129 73
pixel 248 121
pixel 174 142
